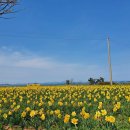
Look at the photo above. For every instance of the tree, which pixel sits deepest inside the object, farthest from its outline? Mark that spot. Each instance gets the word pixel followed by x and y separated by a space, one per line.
pixel 91 81
pixel 97 81
pixel 6 6
pixel 101 79
pixel 67 82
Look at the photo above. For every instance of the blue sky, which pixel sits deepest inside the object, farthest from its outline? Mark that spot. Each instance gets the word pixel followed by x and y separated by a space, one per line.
pixel 55 40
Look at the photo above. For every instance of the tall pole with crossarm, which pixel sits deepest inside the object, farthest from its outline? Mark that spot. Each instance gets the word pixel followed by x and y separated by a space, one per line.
pixel 109 59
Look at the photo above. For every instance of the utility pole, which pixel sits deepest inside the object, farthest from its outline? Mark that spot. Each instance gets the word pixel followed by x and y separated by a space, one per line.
pixel 109 59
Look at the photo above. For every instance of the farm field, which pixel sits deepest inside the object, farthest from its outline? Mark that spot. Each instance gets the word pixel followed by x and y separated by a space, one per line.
pixel 65 108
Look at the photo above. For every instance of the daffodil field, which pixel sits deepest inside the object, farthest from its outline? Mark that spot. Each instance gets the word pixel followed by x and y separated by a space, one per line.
pixel 65 108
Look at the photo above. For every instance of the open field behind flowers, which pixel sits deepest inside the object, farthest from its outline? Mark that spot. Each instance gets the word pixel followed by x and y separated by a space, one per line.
pixel 65 108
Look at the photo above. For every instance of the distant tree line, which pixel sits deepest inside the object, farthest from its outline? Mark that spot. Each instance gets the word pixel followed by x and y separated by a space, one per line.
pixel 93 81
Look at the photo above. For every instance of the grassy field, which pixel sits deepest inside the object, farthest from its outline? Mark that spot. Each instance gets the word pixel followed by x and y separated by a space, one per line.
pixel 65 108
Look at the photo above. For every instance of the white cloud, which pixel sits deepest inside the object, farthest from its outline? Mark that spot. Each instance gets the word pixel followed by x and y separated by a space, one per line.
pixel 16 66
pixel 34 63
